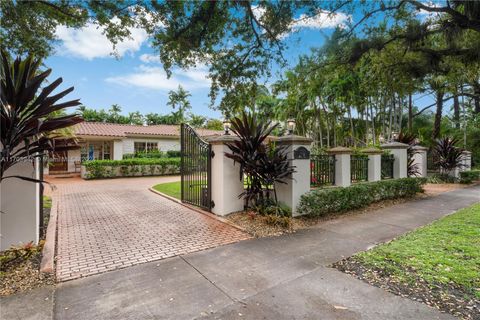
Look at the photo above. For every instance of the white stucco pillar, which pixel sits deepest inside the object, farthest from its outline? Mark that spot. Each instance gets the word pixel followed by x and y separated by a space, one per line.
pixel 298 153
pixel 399 151
pixel 117 149
pixel 19 205
pixel 467 161
pixel 374 163
pixel 342 166
pixel 420 160
pixel 226 182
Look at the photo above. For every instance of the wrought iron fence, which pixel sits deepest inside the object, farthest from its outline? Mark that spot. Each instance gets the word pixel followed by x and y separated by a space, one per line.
pixel 387 166
pixel 322 170
pixel 359 168
pixel 432 161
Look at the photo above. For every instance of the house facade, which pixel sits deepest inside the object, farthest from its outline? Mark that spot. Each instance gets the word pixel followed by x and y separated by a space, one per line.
pixel 109 141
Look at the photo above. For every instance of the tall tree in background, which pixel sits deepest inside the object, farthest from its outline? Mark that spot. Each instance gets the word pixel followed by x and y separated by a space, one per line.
pixel 178 100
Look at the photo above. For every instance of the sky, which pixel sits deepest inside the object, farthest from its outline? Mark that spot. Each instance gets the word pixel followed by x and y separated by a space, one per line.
pixel 135 79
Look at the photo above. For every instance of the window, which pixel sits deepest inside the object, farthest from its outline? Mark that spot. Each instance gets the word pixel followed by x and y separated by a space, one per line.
pixel 152 146
pixel 83 152
pixel 106 151
pixel 139 147
pixel 144 146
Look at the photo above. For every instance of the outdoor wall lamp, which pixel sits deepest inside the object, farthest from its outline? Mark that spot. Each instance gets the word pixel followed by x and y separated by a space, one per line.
pixel 291 126
pixel 226 127
pixel 394 135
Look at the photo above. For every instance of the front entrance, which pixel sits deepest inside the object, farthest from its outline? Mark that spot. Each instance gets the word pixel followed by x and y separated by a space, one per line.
pixel 195 169
pixel 58 162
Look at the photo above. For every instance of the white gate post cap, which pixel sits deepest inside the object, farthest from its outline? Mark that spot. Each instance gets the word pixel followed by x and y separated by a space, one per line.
pixel 394 145
pixel 419 148
pixel 372 151
pixel 292 139
pixel 223 139
pixel 340 150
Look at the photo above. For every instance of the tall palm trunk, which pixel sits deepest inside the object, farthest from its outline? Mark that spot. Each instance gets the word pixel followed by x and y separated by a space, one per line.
pixel 456 111
pixel 438 115
pixel 410 113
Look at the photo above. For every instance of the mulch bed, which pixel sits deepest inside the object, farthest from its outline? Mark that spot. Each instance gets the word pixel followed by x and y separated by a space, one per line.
pixel 23 273
pixel 446 298
pixel 258 226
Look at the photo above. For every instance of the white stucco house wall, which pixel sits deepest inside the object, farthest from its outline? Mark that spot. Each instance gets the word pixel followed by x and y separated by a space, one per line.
pixel 101 141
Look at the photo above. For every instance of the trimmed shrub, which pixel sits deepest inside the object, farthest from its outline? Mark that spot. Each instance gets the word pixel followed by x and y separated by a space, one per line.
pixel 336 200
pixel 469 176
pixel 174 154
pixel 97 169
pixel 437 178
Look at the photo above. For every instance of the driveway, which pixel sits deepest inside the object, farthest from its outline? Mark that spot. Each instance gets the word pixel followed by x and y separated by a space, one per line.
pixel 105 225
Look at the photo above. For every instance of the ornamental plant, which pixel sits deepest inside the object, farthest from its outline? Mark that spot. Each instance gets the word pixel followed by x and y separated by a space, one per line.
pixel 29 115
pixel 263 164
pixel 448 156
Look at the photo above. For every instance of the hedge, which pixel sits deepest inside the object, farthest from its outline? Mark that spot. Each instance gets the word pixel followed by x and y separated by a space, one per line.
pixel 469 176
pixel 338 199
pixel 97 169
pixel 153 154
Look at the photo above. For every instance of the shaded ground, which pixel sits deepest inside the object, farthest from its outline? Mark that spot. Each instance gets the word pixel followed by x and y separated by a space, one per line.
pixel 438 264
pixel 284 277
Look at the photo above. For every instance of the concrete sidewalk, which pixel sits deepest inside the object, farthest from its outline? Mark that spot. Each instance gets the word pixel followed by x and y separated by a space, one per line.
pixel 284 277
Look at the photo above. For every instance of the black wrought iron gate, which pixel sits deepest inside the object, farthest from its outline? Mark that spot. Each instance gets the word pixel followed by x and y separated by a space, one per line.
pixel 196 168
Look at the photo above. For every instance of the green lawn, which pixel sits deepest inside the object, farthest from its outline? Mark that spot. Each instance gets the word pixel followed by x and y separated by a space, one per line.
pixel 445 252
pixel 171 189
pixel 47 202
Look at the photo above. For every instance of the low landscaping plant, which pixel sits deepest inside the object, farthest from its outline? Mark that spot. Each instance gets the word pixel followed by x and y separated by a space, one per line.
pixel 155 154
pixel 262 165
pixel 336 200
pixel 97 169
pixel 448 156
pixel 438 178
pixel 438 264
pixel 469 176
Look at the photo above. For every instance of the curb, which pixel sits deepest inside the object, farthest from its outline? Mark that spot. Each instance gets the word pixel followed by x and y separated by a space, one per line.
pixel 47 264
pixel 208 214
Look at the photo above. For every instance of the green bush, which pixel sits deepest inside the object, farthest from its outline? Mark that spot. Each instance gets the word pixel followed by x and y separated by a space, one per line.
pixel 469 176
pixel 174 154
pixel 336 200
pixel 97 169
pixel 132 162
pixel 441 178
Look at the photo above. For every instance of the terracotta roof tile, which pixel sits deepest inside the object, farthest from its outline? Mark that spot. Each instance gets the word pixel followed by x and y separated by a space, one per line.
pixel 124 130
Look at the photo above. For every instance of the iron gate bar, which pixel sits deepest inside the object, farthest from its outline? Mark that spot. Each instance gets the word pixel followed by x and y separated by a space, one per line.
pixel 195 165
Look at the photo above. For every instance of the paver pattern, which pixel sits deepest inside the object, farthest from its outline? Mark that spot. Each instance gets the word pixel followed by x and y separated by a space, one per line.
pixel 112 224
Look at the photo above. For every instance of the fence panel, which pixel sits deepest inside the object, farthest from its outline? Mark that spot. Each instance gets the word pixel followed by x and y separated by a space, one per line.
pixel 387 166
pixel 359 168
pixel 322 170
pixel 432 160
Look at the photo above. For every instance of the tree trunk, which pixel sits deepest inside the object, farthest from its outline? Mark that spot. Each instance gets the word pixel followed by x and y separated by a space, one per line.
pixel 410 113
pixel 438 115
pixel 456 111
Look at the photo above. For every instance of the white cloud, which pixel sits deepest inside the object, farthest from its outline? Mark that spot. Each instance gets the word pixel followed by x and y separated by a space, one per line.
pixel 425 15
pixel 89 42
pixel 149 58
pixel 322 20
pixel 155 78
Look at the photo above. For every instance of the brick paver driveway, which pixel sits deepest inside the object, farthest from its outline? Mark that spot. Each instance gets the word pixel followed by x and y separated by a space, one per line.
pixel 110 224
